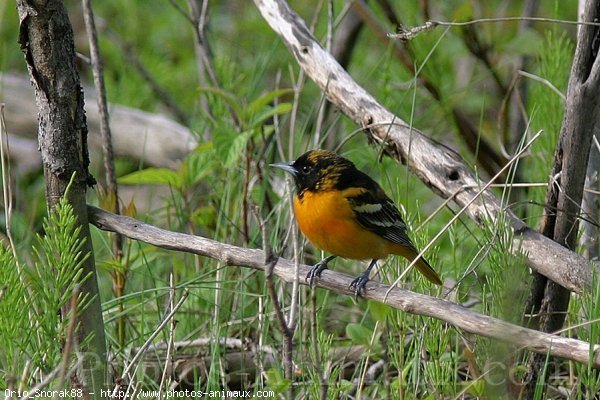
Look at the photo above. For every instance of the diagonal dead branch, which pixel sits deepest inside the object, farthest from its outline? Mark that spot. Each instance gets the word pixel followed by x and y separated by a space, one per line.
pixel 404 300
pixel 460 212
pixel 487 157
pixel 435 165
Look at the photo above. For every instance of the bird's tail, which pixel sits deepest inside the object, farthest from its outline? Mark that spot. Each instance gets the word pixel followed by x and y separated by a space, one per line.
pixel 422 265
pixel 427 271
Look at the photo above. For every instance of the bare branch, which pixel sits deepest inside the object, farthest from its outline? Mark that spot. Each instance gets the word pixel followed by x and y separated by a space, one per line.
pixel 487 157
pixel 406 34
pixel 405 300
pixel 435 165
pixel 545 82
pixel 287 327
pixel 98 73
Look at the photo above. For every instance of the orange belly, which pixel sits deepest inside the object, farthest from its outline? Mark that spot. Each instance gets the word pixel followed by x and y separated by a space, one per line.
pixel 329 224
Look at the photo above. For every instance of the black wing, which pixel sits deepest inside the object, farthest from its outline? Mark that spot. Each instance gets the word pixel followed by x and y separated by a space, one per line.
pixel 378 213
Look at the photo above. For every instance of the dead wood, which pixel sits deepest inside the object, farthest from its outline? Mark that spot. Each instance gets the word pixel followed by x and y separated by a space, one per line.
pixel 404 300
pixel 153 138
pixel 436 166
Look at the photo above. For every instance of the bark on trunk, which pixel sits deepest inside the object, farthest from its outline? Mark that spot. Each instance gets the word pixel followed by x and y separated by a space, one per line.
pixel 567 179
pixel 46 38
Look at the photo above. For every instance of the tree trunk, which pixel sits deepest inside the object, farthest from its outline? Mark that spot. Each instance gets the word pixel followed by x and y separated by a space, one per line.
pixel 46 38
pixel 567 178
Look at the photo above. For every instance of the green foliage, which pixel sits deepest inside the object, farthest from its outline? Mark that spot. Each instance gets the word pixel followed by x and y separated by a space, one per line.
pixel 153 176
pixel 14 310
pixel 359 334
pixel 33 297
pixel 277 382
pixel 546 110
pixel 246 126
pixel 588 308
pixel 379 311
pixel 504 295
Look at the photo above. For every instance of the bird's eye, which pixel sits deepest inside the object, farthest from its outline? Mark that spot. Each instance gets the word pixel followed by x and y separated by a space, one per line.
pixel 305 169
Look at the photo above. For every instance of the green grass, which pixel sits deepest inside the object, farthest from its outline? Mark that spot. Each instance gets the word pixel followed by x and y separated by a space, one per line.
pixel 424 358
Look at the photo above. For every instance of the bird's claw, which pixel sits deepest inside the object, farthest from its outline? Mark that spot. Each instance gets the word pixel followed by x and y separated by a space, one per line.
pixel 315 271
pixel 359 284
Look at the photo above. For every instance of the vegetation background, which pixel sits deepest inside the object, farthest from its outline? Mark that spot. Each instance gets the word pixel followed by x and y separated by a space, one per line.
pixel 259 110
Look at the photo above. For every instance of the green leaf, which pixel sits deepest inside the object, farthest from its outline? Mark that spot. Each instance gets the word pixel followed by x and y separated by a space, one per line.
pixel 379 311
pixel 152 176
pixel 199 164
pixel 229 145
pixel 359 334
pixel 204 216
pixel 227 97
pixel 237 148
pixel 276 381
pixel 269 112
pixel 257 105
pixel 475 388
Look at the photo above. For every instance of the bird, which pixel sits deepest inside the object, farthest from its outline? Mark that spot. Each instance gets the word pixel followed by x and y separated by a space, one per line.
pixel 343 211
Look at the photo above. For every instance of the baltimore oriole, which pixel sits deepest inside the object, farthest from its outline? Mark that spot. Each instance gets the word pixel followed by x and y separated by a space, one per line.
pixel 343 211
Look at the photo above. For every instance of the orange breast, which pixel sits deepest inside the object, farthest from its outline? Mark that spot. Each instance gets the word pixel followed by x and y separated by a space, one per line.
pixel 327 220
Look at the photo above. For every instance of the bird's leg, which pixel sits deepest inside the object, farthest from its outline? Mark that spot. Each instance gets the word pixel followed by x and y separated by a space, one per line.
pixel 359 283
pixel 316 270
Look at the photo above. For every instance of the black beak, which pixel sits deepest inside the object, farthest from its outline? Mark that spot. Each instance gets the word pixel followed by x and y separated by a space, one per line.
pixel 287 167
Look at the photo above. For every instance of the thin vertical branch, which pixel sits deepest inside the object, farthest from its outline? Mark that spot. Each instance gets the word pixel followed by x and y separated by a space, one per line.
pixel 245 190
pixel 297 86
pixel 6 185
pixel 169 355
pixel 98 73
pixel 292 319
pixel 112 193
pixel 206 70
pixel 198 19
pixel 287 327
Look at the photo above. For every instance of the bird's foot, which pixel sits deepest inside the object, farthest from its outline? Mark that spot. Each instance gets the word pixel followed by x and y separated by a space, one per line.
pixel 359 283
pixel 315 271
